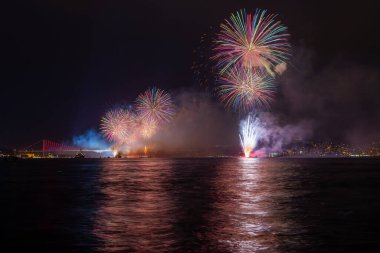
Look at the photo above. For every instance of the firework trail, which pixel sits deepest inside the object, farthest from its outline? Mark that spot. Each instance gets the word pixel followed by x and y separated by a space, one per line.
pixel 117 125
pixel 257 41
pixel 249 132
pixel 245 89
pixel 155 106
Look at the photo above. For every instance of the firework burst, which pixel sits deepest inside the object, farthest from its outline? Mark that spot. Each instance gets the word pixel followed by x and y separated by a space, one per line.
pixel 247 40
pixel 249 131
pixel 245 88
pixel 155 106
pixel 117 125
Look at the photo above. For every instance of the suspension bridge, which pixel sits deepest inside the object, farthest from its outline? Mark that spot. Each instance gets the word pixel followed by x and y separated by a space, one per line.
pixel 47 147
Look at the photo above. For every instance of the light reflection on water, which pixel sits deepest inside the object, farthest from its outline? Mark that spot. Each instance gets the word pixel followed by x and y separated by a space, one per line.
pixel 244 221
pixel 158 205
pixel 135 212
pixel 247 214
pixel 190 205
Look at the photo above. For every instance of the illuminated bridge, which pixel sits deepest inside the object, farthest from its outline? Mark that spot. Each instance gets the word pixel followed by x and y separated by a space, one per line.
pixel 46 147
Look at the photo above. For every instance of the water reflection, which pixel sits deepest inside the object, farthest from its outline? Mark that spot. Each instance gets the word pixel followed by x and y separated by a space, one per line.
pixel 191 205
pixel 135 212
pixel 240 214
pixel 205 205
pixel 249 214
pixel 255 213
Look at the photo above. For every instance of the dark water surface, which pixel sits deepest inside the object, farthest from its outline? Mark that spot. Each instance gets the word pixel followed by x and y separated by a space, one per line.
pixel 190 205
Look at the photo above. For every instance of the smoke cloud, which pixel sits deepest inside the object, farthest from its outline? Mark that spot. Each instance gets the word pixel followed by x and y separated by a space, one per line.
pixel 201 127
pixel 90 140
pixel 339 97
pixel 274 135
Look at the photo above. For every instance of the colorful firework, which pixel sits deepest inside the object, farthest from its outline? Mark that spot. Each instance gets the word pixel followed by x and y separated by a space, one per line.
pixel 245 88
pixel 155 106
pixel 249 131
pixel 257 41
pixel 117 124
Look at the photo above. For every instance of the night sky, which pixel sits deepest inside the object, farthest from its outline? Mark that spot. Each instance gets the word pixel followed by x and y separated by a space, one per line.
pixel 66 62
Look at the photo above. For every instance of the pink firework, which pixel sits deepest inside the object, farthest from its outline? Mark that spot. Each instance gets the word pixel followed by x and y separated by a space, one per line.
pixel 117 125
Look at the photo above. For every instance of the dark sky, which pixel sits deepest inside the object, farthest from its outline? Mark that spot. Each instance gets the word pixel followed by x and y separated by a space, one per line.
pixel 66 62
